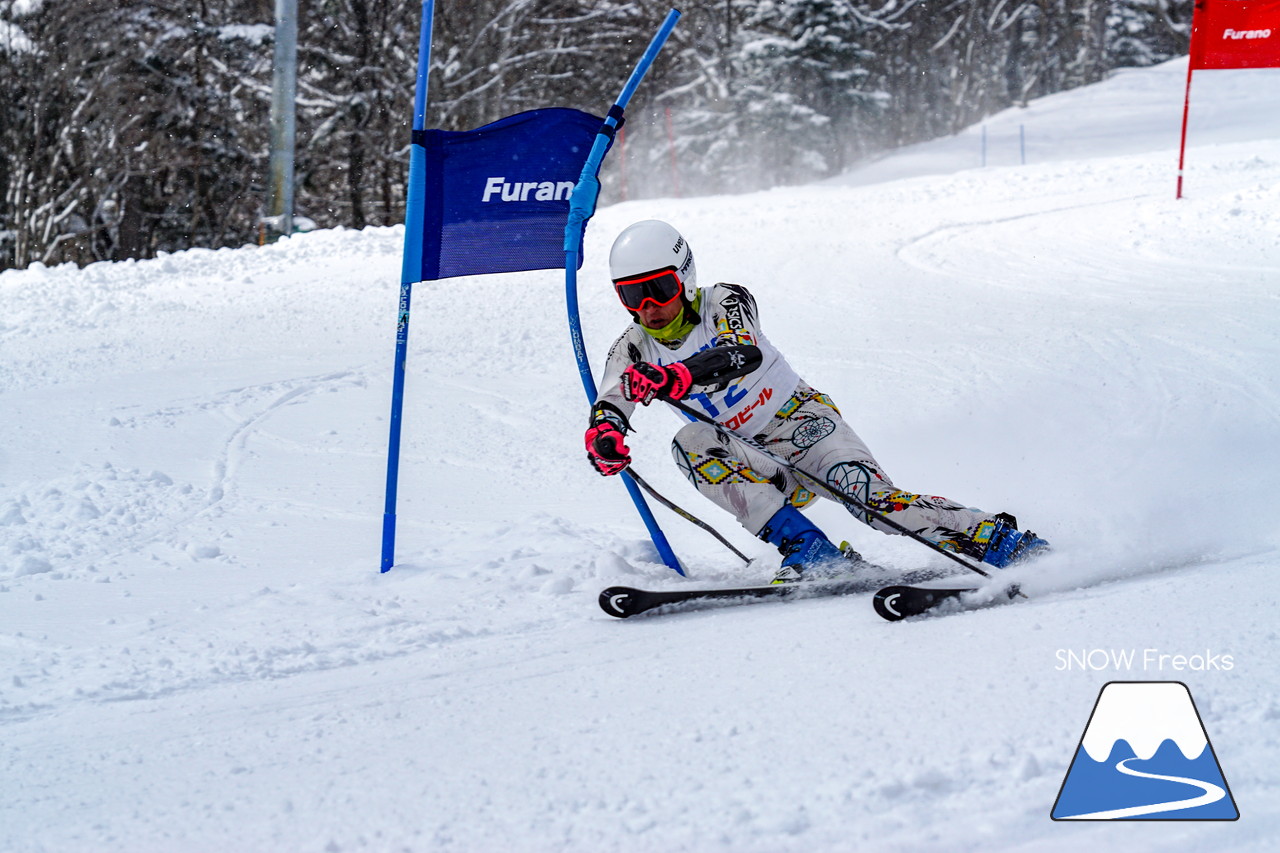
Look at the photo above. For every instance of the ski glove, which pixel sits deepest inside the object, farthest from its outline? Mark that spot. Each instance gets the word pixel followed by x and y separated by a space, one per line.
pixel 641 382
pixel 607 449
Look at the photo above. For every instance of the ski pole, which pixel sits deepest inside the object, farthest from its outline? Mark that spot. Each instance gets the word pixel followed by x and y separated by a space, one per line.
pixel 839 496
pixel 688 516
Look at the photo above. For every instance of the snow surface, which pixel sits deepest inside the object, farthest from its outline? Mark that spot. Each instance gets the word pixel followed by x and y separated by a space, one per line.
pixel 200 654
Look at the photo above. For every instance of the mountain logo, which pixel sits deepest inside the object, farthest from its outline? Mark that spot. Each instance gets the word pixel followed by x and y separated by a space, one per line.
pixel 1145 755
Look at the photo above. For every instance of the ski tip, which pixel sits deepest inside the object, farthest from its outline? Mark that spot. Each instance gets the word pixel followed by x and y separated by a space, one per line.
pixel 896 603
pixel 619 601
pixel 888 603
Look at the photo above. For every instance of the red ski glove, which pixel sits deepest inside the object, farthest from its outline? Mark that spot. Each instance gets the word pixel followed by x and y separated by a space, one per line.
pixel 607 449
pixel 643 381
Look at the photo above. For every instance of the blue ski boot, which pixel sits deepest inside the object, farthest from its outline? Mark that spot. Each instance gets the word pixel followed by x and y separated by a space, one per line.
pixel 806 551
pixel 1006 544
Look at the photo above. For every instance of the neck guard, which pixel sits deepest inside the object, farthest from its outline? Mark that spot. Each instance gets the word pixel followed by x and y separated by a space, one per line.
pixel 679 328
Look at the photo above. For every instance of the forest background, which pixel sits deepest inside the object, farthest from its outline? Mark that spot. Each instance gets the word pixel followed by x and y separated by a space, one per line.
pixel 131 128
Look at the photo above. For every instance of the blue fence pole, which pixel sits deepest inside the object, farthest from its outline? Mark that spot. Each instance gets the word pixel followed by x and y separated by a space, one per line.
pixel 582 205
pixel 410 272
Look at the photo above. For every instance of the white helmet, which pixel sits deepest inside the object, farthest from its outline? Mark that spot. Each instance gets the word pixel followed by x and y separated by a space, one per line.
pixel 651 246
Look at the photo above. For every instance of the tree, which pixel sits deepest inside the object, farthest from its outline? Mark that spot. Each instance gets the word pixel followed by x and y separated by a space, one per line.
pixel 139 126
pixel 130 130
pixel 1147 32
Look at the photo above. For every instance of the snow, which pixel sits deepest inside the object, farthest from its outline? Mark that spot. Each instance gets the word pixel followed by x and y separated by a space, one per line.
pixel 199 652
pixel 1138 111
pixel 254 33
pixel 20 8
pixel 14 40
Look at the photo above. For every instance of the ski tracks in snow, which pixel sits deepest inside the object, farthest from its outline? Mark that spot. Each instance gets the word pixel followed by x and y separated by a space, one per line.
pixel 71 525
pixel 232 455
pixel 936 250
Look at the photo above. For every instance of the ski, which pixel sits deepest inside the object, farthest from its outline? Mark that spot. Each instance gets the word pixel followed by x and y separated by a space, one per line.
pixel 902 601
pixel 624 601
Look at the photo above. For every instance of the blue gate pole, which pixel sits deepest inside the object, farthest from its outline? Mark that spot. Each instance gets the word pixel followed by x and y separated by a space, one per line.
pixel 411 271
pixel 582 205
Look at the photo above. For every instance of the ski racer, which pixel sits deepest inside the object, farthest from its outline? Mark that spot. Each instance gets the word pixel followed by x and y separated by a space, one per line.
pixel 705 345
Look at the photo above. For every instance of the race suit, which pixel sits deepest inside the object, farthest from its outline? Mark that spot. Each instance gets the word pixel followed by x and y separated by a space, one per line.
pixel 773 405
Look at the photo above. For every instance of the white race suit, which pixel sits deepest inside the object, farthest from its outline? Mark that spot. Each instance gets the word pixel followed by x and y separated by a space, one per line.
pixel 777 408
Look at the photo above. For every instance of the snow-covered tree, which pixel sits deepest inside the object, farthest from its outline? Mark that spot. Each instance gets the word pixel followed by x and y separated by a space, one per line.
pixel 134 126
pixel 129 129
pixel 1146 32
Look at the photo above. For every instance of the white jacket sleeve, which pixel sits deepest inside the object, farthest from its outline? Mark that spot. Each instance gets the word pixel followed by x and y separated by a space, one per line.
pixel 610 404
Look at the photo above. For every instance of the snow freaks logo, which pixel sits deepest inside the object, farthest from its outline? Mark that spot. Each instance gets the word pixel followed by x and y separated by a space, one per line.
pixel 1144 659
pixel 1145 755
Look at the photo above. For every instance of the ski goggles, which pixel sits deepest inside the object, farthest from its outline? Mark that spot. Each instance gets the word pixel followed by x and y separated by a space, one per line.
pixel 660 288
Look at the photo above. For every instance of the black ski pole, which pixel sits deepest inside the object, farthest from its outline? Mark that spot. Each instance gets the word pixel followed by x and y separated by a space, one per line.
pixel 846 499
pixel 688 516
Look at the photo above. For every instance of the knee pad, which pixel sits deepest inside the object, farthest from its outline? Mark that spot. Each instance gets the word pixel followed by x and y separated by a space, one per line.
pixel 853 479
pixel 698 452
pixel 701 452
pixel 684 460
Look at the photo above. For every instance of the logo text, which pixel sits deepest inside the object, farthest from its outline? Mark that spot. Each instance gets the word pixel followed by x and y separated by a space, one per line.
pixel 1143 659
pixel 1236 35
pixel 520 190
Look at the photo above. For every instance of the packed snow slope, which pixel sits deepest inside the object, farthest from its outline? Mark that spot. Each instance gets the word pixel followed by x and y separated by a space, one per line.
pixel 200 654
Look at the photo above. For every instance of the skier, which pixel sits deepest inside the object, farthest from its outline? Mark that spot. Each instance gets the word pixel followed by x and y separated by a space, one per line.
pixel 705 345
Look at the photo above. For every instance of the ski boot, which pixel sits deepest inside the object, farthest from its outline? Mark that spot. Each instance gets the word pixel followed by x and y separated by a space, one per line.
pixel 1005 544
pixel 806 551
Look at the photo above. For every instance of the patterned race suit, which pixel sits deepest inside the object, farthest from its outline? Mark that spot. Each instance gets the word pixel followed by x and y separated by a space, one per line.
pixel 774 406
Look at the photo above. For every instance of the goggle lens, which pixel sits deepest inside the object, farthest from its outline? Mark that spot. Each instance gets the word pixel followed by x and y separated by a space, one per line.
pixel 660 288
